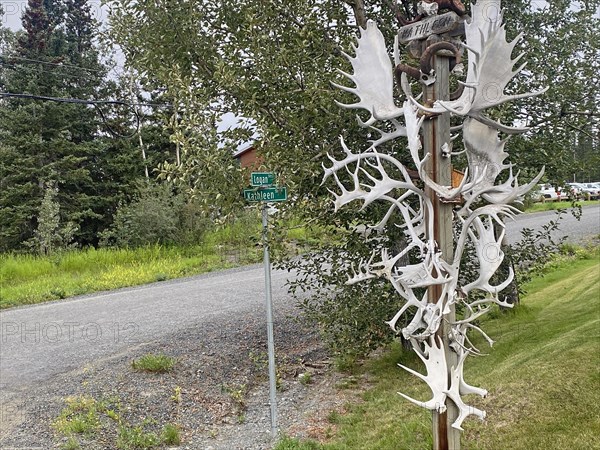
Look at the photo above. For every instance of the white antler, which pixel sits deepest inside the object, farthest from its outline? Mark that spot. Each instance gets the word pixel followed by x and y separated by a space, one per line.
pixel 428 285
pixel 490 68
pixel 372 76
pixel 434 358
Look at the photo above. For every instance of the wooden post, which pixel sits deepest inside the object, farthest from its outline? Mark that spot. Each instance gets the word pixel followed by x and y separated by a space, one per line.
pixel 436 132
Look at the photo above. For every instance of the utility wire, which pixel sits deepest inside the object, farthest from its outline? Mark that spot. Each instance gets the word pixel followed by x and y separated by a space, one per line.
pixel 12 64
pixel 95 104
pixel 80 101
pixel 38 61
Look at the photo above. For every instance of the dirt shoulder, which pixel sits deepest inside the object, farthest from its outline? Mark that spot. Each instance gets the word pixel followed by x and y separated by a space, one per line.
pixel 217 394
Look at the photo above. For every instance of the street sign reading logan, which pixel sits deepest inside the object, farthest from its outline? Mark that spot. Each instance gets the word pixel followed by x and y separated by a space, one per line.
pixel 262 179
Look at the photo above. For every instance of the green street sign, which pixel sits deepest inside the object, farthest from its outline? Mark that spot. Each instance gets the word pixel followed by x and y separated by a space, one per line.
pixel 275 194
pixel 262 179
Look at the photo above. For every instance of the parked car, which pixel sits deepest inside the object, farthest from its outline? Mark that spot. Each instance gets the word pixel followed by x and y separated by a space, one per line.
pixel 587 190
pixel 545 193
pixel 591 190
pixel 575 190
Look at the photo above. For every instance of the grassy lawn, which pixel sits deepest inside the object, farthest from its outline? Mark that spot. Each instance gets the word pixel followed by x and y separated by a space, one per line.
pixel 543 378
pixel 550 206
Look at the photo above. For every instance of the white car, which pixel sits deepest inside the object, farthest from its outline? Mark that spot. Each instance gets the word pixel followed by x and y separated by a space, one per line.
pixel 575 190
pixel 591 190
pixel 546 192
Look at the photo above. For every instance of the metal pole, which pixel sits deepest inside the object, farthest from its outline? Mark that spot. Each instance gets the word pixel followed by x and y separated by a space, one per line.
pixel 271 345
pixel 436 133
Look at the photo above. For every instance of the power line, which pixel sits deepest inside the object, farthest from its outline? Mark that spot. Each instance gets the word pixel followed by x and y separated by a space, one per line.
pixel 80 101
pixel 12 64
pixel 96 104
pixel 66 65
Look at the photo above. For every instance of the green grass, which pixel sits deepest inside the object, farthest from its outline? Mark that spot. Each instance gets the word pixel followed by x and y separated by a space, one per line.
pixel 80 416
pixel 86 420
pixel 135 437
pixel 28 279
pixel 551 206
pixel 543 378
pixel 153 363
pixel 170 434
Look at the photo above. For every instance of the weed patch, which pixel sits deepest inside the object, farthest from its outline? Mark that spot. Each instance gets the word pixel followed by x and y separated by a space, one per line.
pixel 153 363
pixel 86 419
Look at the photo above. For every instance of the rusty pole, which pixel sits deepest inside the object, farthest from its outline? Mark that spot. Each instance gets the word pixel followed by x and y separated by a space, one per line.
pixel 436 132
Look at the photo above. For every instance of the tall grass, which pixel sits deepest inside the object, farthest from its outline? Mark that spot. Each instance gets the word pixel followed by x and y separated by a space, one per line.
pixel 26 279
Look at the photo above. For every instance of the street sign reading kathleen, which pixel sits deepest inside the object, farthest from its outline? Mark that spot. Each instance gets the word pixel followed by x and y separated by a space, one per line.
pixel 274 194
pixel 262 179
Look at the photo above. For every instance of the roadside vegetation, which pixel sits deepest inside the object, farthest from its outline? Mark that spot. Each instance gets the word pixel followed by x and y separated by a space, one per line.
pixel 155 363
pixel 542 374
pixel 143 247
pixel 86 419
pixel 28 279
pixel 551 206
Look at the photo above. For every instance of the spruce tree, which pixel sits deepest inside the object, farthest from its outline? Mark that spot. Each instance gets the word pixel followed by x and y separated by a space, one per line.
pixel 53 142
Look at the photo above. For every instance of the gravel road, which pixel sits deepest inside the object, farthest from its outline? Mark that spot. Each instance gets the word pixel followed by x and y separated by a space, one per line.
pixel 213 324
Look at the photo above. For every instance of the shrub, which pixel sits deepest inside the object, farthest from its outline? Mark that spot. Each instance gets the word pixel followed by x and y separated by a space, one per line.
pixel 156 215
pixel 51 235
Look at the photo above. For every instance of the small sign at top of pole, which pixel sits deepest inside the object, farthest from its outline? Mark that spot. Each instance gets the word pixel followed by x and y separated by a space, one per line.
pixel 449 22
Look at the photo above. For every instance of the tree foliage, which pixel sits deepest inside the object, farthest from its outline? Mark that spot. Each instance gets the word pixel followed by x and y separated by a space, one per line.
pixel 156 215
pixel 51 235
pixel 273 62
pixel 66 144
pixel 558 44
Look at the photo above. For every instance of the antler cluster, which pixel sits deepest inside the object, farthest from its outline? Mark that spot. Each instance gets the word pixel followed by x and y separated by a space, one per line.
pixel 365 177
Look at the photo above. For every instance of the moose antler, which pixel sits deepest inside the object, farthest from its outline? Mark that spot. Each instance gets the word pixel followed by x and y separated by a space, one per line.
pixel 372 76
pixel 490 68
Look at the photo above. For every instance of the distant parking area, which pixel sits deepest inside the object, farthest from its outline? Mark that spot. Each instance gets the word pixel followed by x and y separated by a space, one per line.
pixel 547 192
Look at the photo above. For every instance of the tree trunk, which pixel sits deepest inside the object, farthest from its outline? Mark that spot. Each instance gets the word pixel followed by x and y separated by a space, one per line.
pixel 359 12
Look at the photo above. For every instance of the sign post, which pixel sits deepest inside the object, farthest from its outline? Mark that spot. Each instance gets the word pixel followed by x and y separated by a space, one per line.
pixel 436 132
pixel 264 192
